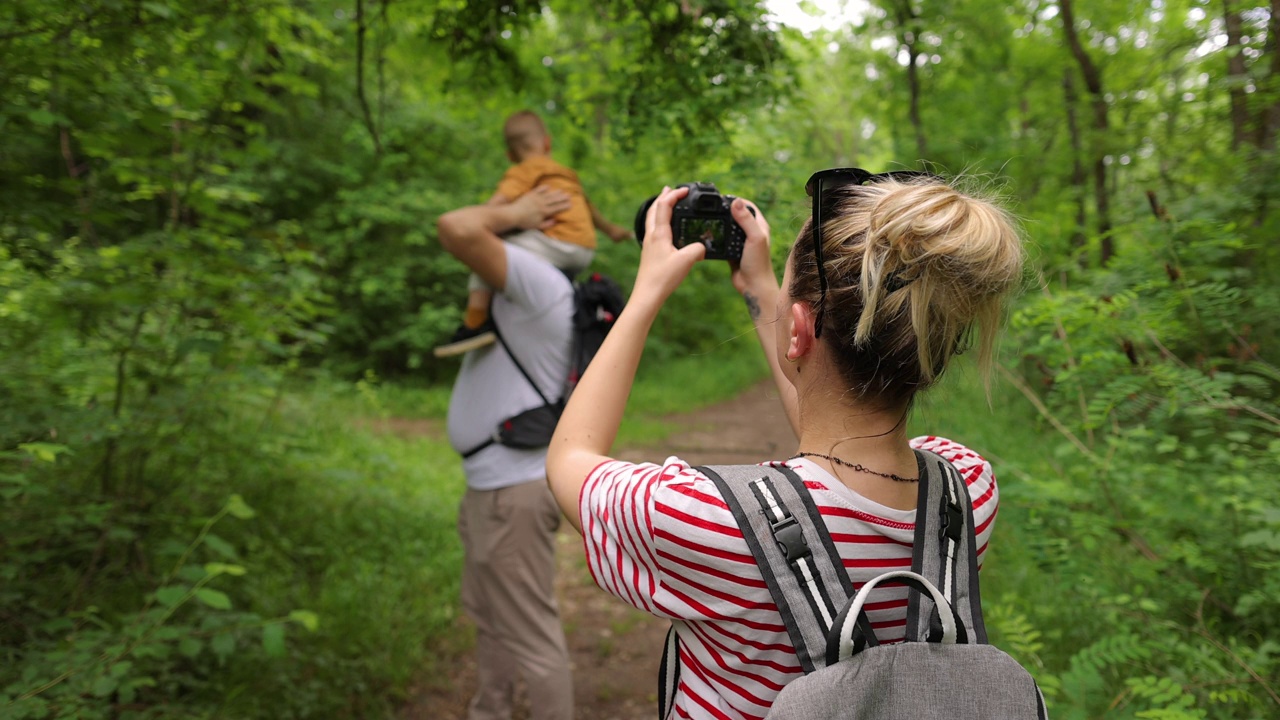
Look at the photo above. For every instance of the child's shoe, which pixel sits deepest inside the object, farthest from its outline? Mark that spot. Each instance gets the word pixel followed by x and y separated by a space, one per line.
pixel 466 339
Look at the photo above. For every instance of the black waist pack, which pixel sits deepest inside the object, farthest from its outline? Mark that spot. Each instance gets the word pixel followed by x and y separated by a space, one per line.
pixel 598 302
pixel 530 429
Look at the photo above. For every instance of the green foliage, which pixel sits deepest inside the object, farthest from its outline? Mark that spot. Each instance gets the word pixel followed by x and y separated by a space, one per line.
pixel 211 210
pixel 332 578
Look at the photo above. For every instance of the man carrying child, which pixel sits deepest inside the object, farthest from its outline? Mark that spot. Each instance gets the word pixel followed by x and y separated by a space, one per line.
pixel 521 247
pixel 567 241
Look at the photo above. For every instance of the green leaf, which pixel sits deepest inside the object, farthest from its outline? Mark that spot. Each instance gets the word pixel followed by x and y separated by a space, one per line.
pixel 190 647
pixel 104 686
pixel 215 599
pixel 273 639
pixel 171 595
pixel 44 452
pixel 223 645
pixel 220 546
pixel 238 508
pixel 42 117
pixel 158 9
pixel 306 618
pixel 224 569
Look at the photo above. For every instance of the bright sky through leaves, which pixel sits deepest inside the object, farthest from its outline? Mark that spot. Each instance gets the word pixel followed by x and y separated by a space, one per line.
pixel 808 16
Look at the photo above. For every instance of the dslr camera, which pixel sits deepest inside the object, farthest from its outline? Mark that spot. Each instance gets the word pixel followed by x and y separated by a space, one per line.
pixel 702 216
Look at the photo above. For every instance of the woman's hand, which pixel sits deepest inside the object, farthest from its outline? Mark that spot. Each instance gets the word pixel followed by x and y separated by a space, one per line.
pixel 756 266
pixel 662 266
pixel 586 431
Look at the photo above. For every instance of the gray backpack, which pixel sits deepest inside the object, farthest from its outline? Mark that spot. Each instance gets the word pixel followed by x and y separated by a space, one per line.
pixel 945 669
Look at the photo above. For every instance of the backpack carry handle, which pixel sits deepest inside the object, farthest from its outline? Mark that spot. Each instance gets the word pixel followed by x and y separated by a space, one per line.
pixel 846 639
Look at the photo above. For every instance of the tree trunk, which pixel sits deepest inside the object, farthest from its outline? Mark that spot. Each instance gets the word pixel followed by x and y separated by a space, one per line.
pixel 1079 179
pixel 1236 75
pixel 1269 122
pixel 1093 81
pixel 906 16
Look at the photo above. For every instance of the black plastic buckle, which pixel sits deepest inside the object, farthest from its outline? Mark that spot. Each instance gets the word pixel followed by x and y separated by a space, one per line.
pixel 790 538
pixel 952 522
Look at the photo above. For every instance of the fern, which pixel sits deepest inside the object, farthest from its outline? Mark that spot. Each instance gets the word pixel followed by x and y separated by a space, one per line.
pixel 1168 699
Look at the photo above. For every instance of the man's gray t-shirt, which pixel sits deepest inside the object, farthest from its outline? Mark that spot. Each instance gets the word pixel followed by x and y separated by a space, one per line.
pixel 535 315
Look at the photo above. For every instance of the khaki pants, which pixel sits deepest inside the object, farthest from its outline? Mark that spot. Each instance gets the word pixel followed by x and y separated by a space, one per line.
pixel 508 540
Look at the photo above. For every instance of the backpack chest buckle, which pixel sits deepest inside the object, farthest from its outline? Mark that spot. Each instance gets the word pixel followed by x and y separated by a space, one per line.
pixel 789 536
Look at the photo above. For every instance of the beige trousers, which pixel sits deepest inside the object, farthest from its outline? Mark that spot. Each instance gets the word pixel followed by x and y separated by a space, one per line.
pixel 509 567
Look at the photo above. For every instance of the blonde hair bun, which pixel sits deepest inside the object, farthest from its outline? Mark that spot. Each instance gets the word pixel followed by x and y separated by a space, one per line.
pixel 913 265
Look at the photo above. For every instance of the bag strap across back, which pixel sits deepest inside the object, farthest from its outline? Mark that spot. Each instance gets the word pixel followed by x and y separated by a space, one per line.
pixel 493 440
pixel 516 361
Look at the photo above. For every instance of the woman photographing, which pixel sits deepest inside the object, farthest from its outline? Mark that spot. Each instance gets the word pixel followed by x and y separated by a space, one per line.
pixel 884 285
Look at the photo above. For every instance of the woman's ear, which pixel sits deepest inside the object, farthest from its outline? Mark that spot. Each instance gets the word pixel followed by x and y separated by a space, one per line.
pixel 802 341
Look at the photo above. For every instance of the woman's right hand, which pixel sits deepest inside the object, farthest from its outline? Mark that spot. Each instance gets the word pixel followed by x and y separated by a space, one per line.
pixel 756 265
pixel 663 266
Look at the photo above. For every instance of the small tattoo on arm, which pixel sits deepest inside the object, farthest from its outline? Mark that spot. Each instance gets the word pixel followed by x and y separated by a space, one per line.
pixel 753 305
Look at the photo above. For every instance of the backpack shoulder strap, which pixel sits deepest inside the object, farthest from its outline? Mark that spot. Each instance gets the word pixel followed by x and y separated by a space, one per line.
pixel 796 556
pixel 944 551
pixel 791 546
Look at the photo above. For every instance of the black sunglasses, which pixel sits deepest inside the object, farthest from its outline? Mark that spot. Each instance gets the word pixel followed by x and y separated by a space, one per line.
pixel 826 180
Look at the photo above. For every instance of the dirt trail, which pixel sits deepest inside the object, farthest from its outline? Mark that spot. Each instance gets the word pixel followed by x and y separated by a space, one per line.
pixel 615 649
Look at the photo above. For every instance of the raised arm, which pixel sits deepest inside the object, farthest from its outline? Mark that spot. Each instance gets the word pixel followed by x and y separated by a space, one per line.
pixel 754 278
pixel 590 422
pixel 471 233
pixel 617 233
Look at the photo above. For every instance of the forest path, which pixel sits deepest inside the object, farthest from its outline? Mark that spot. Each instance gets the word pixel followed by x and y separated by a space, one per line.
pixel 614 648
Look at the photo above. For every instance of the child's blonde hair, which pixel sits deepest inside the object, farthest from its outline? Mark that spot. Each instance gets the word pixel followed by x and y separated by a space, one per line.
pixel 912 266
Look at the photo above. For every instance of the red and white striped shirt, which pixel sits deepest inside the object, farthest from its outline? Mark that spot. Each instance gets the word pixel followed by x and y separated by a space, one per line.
pixel 662 539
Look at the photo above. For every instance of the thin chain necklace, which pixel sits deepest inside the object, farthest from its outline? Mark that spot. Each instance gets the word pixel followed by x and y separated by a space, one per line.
pixel 854 466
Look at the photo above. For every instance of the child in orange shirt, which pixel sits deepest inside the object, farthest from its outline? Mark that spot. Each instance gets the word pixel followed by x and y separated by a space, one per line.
pixel 569 244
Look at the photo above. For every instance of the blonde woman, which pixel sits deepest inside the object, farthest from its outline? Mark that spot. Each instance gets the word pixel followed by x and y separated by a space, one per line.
pixel 886 282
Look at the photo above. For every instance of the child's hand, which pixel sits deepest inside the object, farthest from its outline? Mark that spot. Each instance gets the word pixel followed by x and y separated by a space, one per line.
pixel 618 234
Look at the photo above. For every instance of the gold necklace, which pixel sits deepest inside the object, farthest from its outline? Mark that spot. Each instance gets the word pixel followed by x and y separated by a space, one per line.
pixel 855 466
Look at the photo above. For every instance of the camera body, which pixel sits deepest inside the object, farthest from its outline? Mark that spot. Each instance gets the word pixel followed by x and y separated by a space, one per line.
pixel 702 216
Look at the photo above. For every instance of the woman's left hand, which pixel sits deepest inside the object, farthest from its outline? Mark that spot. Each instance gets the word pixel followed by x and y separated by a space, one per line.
pixel 663 266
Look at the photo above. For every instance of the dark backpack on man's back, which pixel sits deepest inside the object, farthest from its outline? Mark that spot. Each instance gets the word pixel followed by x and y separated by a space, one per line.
pixel 597 303
pixel 944 669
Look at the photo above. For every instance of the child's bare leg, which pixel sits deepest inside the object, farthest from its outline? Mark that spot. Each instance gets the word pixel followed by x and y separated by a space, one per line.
pixel 477 307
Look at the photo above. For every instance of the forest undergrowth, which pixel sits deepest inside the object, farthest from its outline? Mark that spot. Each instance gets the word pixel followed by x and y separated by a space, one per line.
pixel 219 267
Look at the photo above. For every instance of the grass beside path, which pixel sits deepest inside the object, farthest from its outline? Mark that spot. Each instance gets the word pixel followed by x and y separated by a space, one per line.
pixel 663 387
pixel 359 527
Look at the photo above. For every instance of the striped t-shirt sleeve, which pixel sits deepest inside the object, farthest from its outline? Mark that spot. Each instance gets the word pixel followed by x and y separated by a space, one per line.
pixel 617 506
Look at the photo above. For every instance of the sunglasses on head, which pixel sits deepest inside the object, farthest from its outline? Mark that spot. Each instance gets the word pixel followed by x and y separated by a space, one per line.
pixel 819 185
